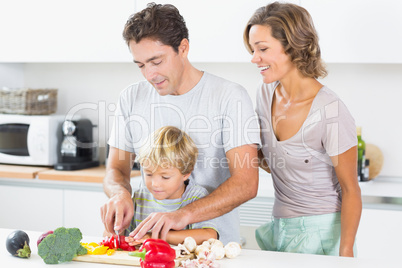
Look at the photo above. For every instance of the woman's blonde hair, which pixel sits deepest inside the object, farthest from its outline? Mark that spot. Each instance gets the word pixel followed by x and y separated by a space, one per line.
pixel 169 147
pixel 293 26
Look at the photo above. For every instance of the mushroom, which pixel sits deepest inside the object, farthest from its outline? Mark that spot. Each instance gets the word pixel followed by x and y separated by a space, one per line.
pixel 219 251
pixel 211 240
pixel 232 249
pixel 190 243
pixel 215 242
pixel 206 244
pixel 201 251
pixel 181 250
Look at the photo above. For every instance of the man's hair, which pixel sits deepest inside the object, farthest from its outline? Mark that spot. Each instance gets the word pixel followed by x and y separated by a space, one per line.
pixel 293 26
pixel 169 147
pixel 159 22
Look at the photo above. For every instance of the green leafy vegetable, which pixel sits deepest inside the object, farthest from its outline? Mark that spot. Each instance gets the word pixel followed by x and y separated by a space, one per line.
pixel 61 246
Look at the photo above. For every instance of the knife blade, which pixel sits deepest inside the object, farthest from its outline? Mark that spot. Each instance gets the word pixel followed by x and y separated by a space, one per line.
pixel 117 240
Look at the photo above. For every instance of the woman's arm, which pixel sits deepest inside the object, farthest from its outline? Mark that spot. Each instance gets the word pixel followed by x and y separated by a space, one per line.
pixel 262 162
pixel 346 170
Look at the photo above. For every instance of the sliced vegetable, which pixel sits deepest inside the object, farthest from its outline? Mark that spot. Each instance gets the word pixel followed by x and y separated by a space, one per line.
pixel 155 253
pixel 17 244
pixel 109 242
pixel 95 249
pixel 110 252
pixel 190 243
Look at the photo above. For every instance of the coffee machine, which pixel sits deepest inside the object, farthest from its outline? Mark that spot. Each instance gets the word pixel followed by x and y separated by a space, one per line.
pixel 77 148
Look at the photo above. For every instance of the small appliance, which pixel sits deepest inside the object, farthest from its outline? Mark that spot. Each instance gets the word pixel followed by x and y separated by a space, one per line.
pixel 77 148
pixel 29 139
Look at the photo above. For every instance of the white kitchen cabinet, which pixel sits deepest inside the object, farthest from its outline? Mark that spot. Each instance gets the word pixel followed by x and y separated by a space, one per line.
pixel 64 31
pixel 82 210
pixel 90 31
pixel 215 27
pixel 358 31
pixel 28 208
pixel 253 214
pixel 379 233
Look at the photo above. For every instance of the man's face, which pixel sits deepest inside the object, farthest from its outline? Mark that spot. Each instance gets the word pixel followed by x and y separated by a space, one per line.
pixel 159 64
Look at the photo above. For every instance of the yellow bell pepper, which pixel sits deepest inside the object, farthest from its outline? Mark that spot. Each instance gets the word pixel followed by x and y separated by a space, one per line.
pixel 95 249
pixel 110 252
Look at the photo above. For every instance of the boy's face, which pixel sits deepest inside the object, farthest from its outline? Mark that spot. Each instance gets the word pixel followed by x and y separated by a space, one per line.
pixel 164 183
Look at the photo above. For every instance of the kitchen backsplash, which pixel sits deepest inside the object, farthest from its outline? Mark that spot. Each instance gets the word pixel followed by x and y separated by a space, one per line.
pixel 371 91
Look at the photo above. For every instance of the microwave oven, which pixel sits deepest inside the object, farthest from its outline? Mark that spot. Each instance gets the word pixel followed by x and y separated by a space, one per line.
pixel 30 139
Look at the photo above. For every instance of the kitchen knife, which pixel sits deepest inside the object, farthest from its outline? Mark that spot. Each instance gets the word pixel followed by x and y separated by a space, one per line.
pixel 117 239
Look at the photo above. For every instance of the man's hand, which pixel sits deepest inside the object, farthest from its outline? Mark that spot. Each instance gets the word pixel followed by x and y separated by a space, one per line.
pixel 161 223
pixel 118 212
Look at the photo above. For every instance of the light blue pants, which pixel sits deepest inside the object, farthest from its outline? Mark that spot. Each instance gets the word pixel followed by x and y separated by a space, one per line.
pixel 319 234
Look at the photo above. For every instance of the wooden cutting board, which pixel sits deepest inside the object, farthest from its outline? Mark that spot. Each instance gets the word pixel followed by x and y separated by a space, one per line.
pixel 121 258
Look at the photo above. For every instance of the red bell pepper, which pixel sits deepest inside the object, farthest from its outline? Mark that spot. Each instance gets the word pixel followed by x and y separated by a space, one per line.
pixel 155 253
pixel 109 242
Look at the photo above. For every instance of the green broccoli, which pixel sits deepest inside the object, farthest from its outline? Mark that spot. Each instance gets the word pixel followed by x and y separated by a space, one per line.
pixel 61 246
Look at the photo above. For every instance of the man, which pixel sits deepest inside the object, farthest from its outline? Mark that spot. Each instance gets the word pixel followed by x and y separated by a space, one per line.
pixel 216 113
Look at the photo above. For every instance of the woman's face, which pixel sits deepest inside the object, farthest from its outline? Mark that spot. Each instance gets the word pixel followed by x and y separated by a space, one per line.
pixel 269 55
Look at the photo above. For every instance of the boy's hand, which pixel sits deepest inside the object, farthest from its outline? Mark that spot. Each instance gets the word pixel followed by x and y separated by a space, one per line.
pixel 132 242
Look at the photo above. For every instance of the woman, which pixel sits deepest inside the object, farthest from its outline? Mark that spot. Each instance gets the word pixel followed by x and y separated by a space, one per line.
pixel 308 135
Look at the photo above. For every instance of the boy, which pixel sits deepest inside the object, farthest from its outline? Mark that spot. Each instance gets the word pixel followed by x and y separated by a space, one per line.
pixel 167 159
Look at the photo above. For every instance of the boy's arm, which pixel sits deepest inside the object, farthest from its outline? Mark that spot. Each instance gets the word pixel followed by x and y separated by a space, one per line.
pixel 200 235
pixel 177 237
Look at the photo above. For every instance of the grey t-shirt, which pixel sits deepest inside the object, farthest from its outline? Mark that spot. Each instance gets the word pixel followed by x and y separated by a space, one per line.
pixel 217 114
pixel 304 178
pixel 145 204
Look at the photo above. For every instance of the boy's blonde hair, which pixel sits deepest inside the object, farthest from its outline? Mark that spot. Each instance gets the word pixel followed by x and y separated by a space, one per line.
pixel 169 147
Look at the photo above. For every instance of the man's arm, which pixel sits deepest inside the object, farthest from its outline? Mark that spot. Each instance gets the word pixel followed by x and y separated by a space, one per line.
pixel 119 210
pixel 239 188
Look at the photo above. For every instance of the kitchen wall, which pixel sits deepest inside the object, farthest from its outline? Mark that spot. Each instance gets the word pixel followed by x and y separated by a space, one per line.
pixel 11 75
pixel 372 93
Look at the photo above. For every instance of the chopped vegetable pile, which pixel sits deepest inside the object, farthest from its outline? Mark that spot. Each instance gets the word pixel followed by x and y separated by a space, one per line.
pixel 96 249
pixel 61 246
pixel 111 243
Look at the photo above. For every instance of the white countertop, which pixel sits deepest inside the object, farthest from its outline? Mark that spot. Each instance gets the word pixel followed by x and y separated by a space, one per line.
pixel 247 258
